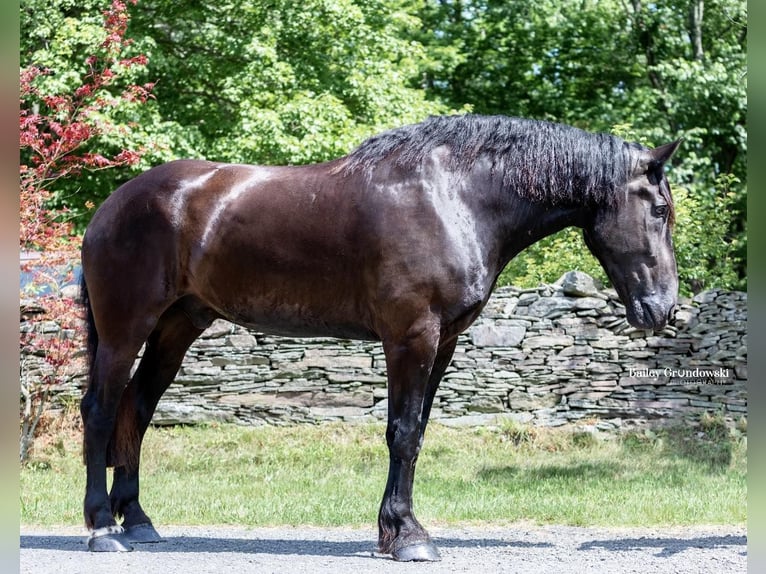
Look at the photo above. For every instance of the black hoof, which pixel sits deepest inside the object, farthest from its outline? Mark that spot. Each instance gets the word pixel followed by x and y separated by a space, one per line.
pixel 109 539
pixel 419 552
pixel 142 534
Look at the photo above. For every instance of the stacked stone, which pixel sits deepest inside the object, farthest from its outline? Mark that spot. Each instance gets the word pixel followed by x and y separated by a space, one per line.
pixel 547 356
pixel 570 355
pixel 66 388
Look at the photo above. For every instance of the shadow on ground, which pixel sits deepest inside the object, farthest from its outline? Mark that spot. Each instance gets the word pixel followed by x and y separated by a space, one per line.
pixel 667 546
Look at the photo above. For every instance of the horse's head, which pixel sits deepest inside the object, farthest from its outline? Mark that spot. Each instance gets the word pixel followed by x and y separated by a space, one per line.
pixel 634 245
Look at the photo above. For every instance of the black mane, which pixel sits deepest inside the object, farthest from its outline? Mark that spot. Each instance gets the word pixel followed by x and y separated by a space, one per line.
pixel 539 160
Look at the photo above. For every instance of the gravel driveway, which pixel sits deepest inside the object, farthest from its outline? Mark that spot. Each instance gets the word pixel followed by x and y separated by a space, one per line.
pixel 515 548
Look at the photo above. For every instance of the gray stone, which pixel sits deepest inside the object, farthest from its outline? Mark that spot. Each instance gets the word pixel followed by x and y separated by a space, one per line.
pixel 604 383
pixel 174 413
pixel 327 358
pixel 219 328
pixel 587 332
pixel 502 374
pixel 685 317
pixel 336 412
pixel 486 405
pixel 603 367
pixel 700 403
pixel 737 408
pixel 519 400
pixel 459 375
pixel 490 335
pixel 589 303
pixel 588 313
pixel 608 343
pixel 208 370
pixel 551 306
pixel 574 350
pixel 373 379
pixel 548 341
pixel 343 399
pixel 705 297
pixel 528 298
pixel 578 284
pixel 244 360
pixel 632 381
pixel 510 307
pixel 243 340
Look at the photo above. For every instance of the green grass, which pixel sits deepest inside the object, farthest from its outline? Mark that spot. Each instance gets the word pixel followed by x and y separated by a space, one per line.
pixel 334 475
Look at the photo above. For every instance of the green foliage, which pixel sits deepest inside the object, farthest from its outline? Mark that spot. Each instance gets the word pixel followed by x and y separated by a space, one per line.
pixel 243 80
pixel 296 82
pixel 707 253
pixel 59 37
pixel 549 259
pixel 647 71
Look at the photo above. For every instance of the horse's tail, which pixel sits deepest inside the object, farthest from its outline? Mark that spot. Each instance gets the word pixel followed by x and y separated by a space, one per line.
pixel 90 325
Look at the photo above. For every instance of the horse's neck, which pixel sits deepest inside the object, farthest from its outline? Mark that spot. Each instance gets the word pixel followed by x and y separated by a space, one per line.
pixel 524 223
pixel 512 221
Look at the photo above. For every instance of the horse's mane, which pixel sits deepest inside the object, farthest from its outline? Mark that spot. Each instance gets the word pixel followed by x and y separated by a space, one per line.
pixel 539 160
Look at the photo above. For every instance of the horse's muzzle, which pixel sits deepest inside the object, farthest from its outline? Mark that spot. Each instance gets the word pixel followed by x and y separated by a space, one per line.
pixel 650 313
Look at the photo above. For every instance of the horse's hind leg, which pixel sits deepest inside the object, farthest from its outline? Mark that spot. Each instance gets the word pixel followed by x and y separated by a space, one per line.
pixel 118 324
pixel 161 360
pixel 109 373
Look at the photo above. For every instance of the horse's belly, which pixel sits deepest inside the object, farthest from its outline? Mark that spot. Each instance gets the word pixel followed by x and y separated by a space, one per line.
pixel 301 325
pixel 297 309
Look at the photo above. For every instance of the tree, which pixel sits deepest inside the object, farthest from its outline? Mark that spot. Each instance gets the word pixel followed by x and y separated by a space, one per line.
pixel 297 82
pixel 55 130
pixel 248 80
pixel 651 72
pixel 284 83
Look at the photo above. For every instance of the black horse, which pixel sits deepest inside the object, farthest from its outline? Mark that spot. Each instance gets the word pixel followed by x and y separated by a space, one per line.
pixel 399 242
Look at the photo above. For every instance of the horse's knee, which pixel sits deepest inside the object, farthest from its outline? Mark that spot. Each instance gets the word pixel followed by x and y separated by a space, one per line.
pixel 404 439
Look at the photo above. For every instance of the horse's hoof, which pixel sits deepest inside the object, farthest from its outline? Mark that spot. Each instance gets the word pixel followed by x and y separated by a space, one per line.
pixel 142 534
pixel 419 552
pixel 109 539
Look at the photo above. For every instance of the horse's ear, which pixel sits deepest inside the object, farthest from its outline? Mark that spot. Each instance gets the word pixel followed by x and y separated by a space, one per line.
pixel 659 155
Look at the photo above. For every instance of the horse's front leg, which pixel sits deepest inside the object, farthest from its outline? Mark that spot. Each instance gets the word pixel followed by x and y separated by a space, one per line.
pixel 410 363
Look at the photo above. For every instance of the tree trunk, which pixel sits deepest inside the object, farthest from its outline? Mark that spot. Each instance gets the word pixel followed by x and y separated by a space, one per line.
pixel 695 28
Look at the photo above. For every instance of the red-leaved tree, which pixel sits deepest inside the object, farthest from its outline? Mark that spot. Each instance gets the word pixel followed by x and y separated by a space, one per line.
pixel 54 133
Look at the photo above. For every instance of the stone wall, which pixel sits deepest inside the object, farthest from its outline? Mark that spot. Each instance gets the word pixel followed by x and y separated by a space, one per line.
pixel 545 356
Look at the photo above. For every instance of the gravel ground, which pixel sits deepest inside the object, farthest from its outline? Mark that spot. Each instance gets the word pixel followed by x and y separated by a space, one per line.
pixel 521 549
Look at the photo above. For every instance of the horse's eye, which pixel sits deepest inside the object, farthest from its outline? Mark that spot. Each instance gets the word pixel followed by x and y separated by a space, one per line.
pixel 660 211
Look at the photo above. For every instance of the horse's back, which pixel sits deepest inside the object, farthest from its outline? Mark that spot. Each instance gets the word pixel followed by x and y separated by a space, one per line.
pixel 304 250
pixel 276 247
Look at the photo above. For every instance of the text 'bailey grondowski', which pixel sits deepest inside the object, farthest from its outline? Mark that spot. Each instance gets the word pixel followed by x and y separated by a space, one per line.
pixel 697 374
